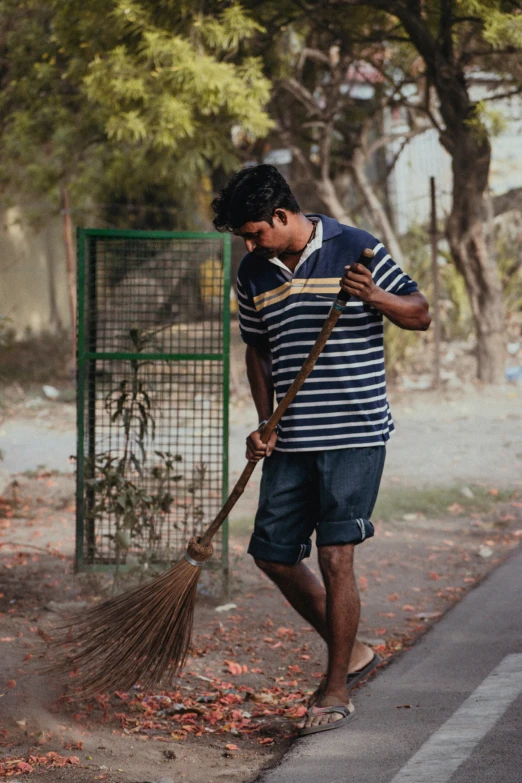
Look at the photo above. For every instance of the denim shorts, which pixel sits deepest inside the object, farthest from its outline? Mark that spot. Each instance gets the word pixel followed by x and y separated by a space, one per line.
pixel 332 492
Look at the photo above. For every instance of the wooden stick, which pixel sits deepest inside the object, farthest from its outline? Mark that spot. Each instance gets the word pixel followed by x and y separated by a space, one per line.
pixel 436 287
pixel 309 364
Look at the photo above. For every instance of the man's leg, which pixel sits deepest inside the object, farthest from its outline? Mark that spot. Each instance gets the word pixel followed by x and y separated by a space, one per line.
pixel 343 607
pixel 307 596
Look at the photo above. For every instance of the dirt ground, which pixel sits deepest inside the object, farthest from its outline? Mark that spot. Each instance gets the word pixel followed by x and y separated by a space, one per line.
pixel 253 663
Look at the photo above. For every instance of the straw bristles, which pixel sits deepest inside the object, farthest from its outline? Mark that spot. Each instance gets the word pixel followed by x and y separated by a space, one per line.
pixel 142 635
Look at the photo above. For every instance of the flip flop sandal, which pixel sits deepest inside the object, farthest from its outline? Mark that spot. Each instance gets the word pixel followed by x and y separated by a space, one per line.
pixel 342 709
pixel 352 678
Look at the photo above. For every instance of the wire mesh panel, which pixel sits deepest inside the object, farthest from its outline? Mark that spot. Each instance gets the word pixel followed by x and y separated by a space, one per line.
pixel 153 316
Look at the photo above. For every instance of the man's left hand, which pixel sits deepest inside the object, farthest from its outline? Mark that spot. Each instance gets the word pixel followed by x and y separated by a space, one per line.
pixel 357 281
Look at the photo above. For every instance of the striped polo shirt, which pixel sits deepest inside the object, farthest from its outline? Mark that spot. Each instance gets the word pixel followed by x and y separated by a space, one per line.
pixel 343 403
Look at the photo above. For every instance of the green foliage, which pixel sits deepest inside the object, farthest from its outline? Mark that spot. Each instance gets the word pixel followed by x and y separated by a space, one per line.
pixel 510 268
pixel 486 121
pixel 138 512
pixel 134 493
pixel 502 21
pixel 124 97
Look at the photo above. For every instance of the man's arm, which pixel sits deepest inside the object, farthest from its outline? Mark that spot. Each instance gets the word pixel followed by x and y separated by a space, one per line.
pixel 410 311
pixel 259 373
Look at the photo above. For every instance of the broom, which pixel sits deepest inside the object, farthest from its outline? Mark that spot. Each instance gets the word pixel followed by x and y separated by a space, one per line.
pixel 144 635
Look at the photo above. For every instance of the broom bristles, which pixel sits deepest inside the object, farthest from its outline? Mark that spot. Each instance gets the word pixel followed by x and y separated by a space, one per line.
pixel 142 635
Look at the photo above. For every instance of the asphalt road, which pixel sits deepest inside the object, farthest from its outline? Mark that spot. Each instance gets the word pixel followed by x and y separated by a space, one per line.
pixel 463 686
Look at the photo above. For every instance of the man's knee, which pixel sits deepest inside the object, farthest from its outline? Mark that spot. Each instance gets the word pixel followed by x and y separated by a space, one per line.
pixel 336 559
pixel 272 569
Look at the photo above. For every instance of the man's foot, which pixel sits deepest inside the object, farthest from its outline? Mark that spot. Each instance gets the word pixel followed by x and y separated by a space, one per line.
pixel 361 657
pixel 332 713
pixel 363 667
pixel 354 677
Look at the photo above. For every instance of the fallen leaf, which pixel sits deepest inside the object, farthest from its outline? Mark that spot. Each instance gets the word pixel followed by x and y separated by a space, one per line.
pixel 263 698
pixel 23 766
pixel 233 667
pixel 231 746
pixel 393 597
pixel 297 712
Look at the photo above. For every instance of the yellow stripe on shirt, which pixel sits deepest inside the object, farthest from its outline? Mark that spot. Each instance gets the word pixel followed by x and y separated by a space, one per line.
pixel 317 285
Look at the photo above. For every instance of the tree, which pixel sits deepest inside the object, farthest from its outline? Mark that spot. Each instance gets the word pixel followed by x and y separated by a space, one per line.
pixel 333 132
pixel 454 38
pixel 124 97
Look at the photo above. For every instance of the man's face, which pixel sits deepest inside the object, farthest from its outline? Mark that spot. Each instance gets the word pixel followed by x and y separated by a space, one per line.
pixel 265 240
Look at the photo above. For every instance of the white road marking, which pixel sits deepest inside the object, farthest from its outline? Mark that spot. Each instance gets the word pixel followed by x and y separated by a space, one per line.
pixel 453 743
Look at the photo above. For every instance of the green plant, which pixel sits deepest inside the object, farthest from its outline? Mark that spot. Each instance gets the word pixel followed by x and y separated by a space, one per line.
pixel 134 494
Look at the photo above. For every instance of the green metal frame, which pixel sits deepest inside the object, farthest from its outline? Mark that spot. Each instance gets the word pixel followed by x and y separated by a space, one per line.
pixel 84 355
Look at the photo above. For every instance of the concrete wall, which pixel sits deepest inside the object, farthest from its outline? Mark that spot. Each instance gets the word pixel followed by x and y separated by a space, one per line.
pixel 33 278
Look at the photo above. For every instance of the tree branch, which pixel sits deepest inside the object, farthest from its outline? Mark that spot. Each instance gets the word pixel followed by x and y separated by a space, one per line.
pixel 503 95
pixel 302 95
pixel 383 141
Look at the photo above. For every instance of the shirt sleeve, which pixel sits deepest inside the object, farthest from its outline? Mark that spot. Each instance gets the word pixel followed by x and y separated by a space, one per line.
pixel 389 276
pixel 252 327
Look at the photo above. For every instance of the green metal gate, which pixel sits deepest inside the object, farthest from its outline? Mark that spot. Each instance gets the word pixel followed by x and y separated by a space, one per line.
pixel 153 369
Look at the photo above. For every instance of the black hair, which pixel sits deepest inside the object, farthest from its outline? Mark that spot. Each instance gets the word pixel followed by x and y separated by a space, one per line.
pixel 252 194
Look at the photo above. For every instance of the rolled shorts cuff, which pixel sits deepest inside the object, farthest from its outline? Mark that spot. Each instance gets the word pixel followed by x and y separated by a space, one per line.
pixel 350 531
pixel 289 554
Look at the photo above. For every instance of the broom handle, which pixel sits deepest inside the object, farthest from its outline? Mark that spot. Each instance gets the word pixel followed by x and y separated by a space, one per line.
pixel 309 364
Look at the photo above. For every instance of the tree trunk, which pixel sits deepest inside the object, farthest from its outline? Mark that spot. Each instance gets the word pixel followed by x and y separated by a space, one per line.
pixel 377 212
pixel 470 150
pixel 328 195
pixel 465 231
pixel 69 260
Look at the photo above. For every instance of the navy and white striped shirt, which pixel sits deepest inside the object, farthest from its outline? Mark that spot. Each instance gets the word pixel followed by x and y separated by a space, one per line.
pixel 343 402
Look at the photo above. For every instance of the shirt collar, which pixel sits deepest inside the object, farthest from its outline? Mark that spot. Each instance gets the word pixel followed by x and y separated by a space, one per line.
pixel 315 244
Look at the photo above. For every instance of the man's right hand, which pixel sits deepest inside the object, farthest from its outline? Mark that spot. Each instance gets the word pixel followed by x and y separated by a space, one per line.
pixel 256 449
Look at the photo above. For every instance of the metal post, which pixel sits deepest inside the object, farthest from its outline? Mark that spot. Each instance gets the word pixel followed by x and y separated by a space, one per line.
pixel 91 323
pixel 435 277
pixel 226 394
pixel 80 405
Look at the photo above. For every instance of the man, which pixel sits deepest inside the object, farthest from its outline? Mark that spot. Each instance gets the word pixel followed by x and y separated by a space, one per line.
pixel 323 466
